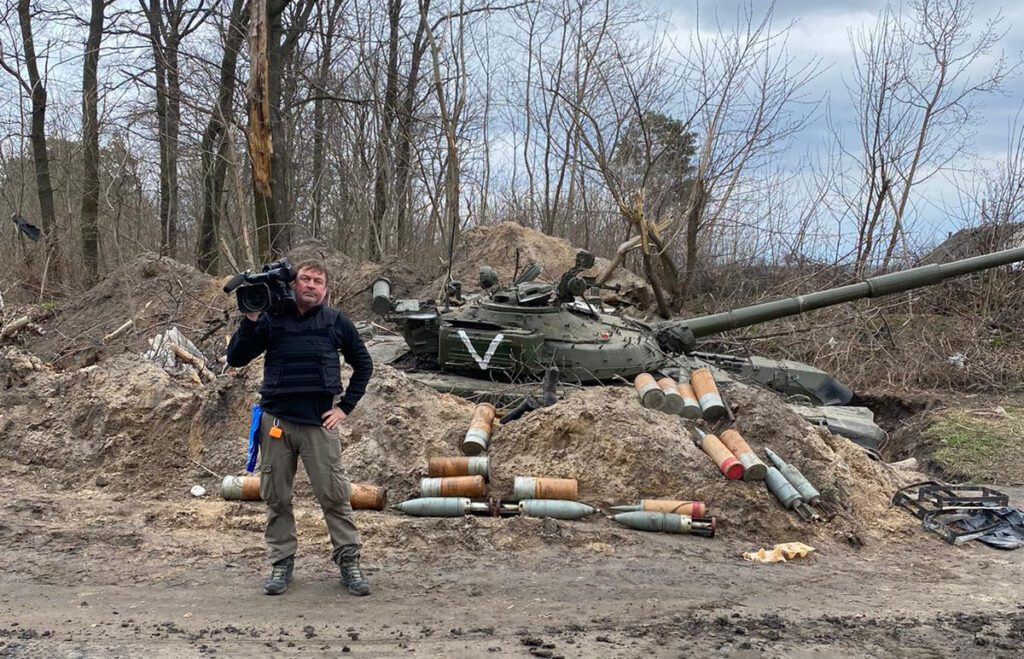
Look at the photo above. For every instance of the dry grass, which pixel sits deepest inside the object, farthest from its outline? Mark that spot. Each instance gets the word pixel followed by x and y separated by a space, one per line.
pixel 981 446
pixel 964 335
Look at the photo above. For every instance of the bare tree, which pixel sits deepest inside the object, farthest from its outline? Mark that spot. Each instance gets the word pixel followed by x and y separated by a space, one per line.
pixel 916 87
pixel 406 115
pixel 91 142
pixel 272 43
pixel 36 89
pixel 215 143
pixel 170 21
pixel 741 88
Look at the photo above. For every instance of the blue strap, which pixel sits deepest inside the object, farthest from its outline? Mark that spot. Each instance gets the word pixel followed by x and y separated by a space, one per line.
pixel 254 439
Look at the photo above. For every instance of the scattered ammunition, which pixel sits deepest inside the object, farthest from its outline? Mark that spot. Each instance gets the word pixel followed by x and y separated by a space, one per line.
pixel 688 508
pixel 651 395
pixel 667 523
pixel 783 491
pixel 691 406
pixel 753 468
pixel 442 467
pixel 367 497
pixel 673 403
pixel 440 507
pixel 247 488
pixel 528 487
pixel 479 434
pixel 707 395
pixel 555 508
pixel 454 486
pixel 240 488
pixel 808 492
pixel 723 457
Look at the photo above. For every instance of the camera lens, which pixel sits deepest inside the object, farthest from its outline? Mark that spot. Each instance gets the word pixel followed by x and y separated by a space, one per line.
pixel 253 298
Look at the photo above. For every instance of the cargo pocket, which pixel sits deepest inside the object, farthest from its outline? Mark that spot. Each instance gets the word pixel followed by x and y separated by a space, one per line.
pixel 340 491
pixel 267 489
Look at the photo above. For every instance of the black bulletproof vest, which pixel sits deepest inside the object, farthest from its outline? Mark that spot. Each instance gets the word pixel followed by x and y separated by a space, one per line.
pixel 302 356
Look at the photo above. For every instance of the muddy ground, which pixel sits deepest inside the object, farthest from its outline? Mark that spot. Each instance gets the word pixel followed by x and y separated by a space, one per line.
pixel 107 554
pixel 90 574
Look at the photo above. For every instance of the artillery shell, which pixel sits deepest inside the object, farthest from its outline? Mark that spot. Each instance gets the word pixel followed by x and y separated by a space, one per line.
pixel 691 406
pixel 651 395
pixel 753 468
pixel 723 457
pixel 689 508
pixel 454 486
pixel 368 497
pixel 808 492
pixel 707 395
pixel 441 467
pixel 478 437
pixel 555 508
pixel 673 402
pixel 435 507
pixel 240 488
pixel 667 523
pixel 783 491
pixel 528 487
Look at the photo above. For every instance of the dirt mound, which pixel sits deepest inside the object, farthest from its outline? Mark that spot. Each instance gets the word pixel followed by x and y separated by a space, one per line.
pixel 156 292
pixel 128 425
pixel 498 247
pixel 620 452
pixel 123 423
pixel 159 293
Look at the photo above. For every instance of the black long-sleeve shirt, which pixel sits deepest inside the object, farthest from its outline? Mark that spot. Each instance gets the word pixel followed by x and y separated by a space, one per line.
pixel 253 337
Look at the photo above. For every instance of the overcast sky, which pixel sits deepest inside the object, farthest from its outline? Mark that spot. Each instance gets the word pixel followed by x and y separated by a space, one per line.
pixel 822 30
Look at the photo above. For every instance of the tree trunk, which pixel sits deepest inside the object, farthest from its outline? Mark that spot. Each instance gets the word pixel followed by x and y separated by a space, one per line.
pixel 40 157
pixel 271 46
pixel 696 210
pixel 385 142
pixel 214 146
pixel 320 122
pixel 261 136
pixel 403 141
pixel 91 144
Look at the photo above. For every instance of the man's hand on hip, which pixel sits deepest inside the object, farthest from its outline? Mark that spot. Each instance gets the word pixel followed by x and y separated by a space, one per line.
pixel 333 417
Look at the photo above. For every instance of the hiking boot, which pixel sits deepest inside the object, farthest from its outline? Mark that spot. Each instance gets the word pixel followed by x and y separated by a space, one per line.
pixel 351 575
pixel 280 576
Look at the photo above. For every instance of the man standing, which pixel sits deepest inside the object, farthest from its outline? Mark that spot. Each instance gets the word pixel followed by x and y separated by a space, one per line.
pixel 301 378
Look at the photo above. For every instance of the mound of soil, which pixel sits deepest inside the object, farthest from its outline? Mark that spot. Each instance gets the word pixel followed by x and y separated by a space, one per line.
pixel 620 452
pixel 500 246
pixel 155 292
pixel 124 422
pixel 128 425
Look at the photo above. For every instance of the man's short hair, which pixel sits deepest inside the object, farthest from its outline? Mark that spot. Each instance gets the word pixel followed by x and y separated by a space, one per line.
pixel 315 266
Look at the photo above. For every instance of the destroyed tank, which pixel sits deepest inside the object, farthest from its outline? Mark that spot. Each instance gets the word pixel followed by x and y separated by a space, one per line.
pixel 514 332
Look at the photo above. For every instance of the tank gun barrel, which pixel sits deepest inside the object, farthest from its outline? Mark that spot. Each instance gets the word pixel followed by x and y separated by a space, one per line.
pixel 895 282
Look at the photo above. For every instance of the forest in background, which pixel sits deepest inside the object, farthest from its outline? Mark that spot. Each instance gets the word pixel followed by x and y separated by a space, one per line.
pixel 223 132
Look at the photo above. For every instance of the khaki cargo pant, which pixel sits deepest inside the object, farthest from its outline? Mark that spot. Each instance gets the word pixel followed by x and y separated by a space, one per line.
pixel 321 456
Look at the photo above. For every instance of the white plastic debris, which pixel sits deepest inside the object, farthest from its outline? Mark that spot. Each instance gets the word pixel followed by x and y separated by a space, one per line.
pixel 160 350
pixel 958 360
pixel 198 491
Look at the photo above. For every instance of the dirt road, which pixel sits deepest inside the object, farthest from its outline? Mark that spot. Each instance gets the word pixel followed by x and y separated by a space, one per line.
pixel 97 574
